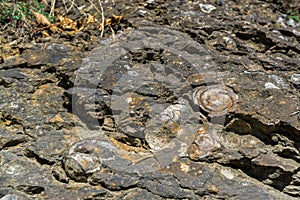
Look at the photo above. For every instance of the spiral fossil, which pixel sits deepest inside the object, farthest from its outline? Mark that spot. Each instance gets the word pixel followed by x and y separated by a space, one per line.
pixel 143 82
pixel 205 142
pixel 215 100
pixel 158 136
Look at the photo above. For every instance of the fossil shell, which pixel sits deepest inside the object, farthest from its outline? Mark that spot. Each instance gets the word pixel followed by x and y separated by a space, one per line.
pixel 158 135
pixel 86 157
pixel 204 143
pixel 215 100
pixel 204 140
pixel 168 125
pixel 172 113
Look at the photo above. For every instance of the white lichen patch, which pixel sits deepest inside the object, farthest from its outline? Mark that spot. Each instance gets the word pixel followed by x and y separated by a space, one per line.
pixel 227 173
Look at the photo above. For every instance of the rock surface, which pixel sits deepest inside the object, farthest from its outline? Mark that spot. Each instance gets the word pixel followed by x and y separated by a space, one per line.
pixel 187 100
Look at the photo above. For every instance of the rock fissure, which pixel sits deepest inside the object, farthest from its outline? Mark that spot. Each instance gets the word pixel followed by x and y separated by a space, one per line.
pixel 203 107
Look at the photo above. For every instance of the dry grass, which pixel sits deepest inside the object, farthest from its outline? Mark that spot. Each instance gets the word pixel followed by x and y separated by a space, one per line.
pixel 101 13
pixel 20 14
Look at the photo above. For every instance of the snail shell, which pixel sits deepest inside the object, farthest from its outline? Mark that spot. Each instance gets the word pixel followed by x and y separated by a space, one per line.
pixel 165 127
pixel 158 135
pixel 172 113
pixel 215 100
pixel 204 143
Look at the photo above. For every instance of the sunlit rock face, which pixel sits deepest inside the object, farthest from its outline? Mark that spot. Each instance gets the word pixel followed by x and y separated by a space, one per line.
pixel 150 113
pixel 165 108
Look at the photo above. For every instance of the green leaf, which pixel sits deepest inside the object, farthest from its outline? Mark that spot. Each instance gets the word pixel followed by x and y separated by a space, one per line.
pixel 295 18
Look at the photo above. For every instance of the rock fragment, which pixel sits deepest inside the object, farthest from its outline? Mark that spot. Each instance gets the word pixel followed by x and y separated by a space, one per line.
pixel 295 79
pixel 207 8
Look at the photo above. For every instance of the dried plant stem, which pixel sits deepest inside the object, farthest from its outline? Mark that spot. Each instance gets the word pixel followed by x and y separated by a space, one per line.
pixel 102 15
pixel 113 33
pixel 68 9
pixel 52 7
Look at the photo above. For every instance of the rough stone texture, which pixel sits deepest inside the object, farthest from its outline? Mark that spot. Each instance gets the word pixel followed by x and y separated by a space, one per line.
pixel 138 117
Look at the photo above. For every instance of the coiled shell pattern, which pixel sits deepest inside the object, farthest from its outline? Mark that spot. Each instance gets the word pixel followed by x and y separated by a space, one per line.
pixel 205 142
pixel 140 81
pixel 215 100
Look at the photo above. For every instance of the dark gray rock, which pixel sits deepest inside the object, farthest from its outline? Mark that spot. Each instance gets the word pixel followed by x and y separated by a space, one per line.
pixel 24 174
pixel 210 111
pixel 140 194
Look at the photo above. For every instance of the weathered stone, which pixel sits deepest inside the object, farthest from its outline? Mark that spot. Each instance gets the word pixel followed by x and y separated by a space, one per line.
pixel 76 191
pixel 295 79
pixel 59 173
pixel 49 148
pixel 140 193
pixel 129 128
pixel 239 126
pixel 10 139
pixel 53 53
pixel 203 178
pixel 114 181
pixel 293 188
pixel 23 173
pixel 12 194
pixel 90 105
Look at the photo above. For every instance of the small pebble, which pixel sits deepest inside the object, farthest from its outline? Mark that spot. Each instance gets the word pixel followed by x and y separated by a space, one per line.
pixel 295 79
pixel 191 13
pixel 207 8
pixel 291 23
pixel 227 173
pixel 279 81
pixel 269 85
pixel 280 21
pixel 10 197
pixel 141 13
pixel 297 33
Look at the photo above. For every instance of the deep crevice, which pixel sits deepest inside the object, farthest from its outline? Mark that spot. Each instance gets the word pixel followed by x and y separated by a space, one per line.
pixel 265 174
pixel 30 189
pixel 13 143
pixel 42 161
pixel 265 132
